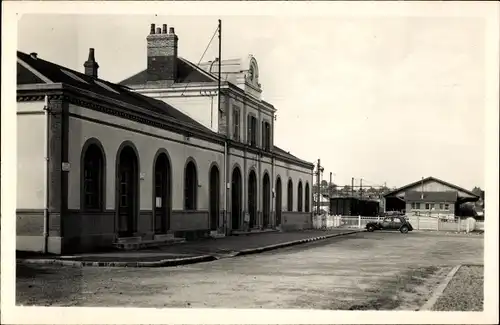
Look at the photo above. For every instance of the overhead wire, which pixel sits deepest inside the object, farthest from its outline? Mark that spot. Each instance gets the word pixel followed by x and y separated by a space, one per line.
pixel 202 56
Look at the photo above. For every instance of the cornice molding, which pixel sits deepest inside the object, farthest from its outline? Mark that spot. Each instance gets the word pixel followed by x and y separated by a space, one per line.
pixel 95 102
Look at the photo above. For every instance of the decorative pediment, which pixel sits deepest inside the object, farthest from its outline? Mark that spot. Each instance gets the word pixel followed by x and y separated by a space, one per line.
pixel 252 75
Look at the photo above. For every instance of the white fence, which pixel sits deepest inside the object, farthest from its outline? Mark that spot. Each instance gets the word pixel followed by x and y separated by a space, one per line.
pixel 329 221
pixel 457 224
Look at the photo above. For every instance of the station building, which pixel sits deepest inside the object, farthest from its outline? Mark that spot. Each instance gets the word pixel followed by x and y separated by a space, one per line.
pixel 152 157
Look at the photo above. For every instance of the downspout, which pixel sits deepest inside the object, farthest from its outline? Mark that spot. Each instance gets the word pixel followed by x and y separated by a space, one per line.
pixel 45 177
pixel 225 188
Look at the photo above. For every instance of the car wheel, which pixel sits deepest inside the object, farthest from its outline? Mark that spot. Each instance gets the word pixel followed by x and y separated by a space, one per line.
pixel 371 228
pixel 404 229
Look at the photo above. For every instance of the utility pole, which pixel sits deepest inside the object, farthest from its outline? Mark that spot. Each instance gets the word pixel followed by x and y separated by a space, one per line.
pixel 224 221
pixel 220 63
pixel 352 187
pixel 318 195
pixel 422 190
pixel 330 186
pixel 361 188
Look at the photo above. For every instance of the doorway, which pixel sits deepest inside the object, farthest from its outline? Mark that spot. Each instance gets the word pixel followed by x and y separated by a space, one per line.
pixel 214 197
pixel 236 190
pixel 252 199
pixel 266 200
pixel 162 195
pixel 127 176
pixel 278 201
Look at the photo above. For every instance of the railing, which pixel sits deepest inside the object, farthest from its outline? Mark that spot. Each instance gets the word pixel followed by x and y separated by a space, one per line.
pixel 454 224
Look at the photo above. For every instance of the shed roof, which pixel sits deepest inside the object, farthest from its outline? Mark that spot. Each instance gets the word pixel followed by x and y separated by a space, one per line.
pixel 409 186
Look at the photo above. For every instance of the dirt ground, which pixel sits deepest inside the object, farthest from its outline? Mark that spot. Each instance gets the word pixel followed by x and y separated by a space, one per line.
pixel 365 271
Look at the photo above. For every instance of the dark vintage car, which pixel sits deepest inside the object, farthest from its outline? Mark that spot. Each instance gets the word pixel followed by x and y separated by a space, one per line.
pixel 391 223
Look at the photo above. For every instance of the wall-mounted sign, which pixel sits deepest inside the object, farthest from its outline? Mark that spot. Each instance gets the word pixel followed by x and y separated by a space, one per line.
pixel 158 202
pixel 65 166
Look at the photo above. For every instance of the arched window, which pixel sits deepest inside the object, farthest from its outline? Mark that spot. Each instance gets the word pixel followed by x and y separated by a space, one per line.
pixel 93 178
pixel 299 197
pixel 290 196
pixel 190 186
pixel 307 198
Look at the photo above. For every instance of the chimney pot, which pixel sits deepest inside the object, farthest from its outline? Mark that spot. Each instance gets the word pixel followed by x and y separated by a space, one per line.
pixel 172 30
pixel 152 31
pixel 34 55
pixel 92 55
pixel 164 28
pixel 91 66
pixel 158 30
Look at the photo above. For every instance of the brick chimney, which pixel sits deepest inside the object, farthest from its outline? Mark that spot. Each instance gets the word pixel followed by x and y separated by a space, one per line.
pixel 91 65
pixel 162 54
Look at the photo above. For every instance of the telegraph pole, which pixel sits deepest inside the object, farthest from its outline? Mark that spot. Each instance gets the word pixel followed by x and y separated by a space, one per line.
pixel 220 62
pixel 352 187
pixel 318 196
pixel 361 188
pixel 330 186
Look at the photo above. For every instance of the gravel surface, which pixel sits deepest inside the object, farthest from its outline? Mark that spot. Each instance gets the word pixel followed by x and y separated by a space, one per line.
pixel 465 292
pixel 364 271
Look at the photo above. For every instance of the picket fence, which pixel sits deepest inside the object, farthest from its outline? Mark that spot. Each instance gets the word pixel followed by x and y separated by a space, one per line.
pixel 458 224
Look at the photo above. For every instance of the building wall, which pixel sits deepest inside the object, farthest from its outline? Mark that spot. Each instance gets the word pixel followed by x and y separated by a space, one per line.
pixel 30 203
pixel 31 123
pixel 262 165
pixel 179 149
pixel 200 105
pixel 249 108
pixel 433 212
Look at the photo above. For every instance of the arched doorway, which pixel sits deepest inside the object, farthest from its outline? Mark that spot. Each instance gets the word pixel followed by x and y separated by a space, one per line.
pixel 127 191
pixel 278 201
pixel 299 197
pixel 252 199
pixel 289 196
pixel 307 198
pixel 162 194
pixel 236 199
pixel 190 186
pixel 266 200
pixel 214 197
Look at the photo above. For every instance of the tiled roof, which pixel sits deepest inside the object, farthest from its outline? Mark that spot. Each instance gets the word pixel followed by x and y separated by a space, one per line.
pixel 430 178
pixel 288 154
pixel 59 74
pixel 414 196
pixel 24 76
pixel 186 72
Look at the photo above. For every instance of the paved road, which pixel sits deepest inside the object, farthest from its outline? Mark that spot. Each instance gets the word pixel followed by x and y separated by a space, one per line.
pixel 361 271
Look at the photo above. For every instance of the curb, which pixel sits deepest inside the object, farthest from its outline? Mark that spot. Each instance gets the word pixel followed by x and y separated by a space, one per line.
pixel 440 289
pixel 290 243
pixel 161 263
pixel 178 261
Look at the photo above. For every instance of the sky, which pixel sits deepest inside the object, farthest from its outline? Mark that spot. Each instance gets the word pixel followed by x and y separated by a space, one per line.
pixel 387 100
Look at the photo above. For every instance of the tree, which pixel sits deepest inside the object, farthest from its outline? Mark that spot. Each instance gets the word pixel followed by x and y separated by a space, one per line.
pixel 477 190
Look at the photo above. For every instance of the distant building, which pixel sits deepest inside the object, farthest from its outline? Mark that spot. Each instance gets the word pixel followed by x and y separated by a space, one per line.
pixel 429 196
